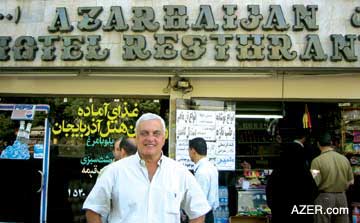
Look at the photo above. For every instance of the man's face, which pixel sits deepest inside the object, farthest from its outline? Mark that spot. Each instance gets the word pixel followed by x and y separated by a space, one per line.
pixel 150 138
pixel 122 153
pixel 191 154
pixel 116 151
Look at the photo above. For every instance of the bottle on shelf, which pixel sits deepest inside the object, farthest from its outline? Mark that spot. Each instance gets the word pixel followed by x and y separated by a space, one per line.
pixel 355 215
pixel 21 132
pixel 27 132
pixel 222 212
pixel 226 214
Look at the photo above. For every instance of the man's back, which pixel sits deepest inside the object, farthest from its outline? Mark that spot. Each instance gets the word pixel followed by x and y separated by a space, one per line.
pixel 207 176
pixel 335 171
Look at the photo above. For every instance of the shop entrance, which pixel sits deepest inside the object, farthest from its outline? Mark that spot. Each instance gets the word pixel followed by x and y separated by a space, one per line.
pixel 262 130
pixel 24 163
pixel 20 199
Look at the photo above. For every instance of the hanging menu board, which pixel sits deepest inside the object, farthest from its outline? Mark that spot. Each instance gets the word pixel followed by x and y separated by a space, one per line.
pixel 216 127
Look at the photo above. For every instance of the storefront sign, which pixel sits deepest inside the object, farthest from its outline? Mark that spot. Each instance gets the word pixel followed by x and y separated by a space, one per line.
pixel 102 121
pixel 178 34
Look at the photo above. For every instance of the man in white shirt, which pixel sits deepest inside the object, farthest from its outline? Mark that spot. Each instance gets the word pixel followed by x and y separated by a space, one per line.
pixel 206 174
pixel 147 187
pixel 123 147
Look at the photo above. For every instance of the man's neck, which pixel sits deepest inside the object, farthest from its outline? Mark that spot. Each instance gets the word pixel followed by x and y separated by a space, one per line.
pixel 151 164
pixel 153 159
pixel 326 149
pixel 198 158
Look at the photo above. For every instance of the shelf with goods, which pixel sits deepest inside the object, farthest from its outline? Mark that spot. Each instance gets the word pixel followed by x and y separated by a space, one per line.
pixel 350 136
pixel 251 206
pixel 257 147
pixel 350 147
pixel 26 145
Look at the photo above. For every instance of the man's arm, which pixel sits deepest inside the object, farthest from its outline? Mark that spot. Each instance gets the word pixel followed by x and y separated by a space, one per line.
pixel 194 202
pixel 351 182
pixel 200 219
pixel 92 217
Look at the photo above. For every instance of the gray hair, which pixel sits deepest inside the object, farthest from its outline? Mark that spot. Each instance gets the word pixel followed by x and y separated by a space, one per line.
pixel 150 116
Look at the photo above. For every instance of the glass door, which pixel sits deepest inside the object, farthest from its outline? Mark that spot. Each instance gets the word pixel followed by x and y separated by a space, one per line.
pixel 24 153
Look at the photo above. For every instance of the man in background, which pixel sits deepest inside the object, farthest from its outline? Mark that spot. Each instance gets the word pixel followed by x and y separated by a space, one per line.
pixel 124 147
pixel 291 185
pixel 297 147
pixel 206 174
pixel 333 175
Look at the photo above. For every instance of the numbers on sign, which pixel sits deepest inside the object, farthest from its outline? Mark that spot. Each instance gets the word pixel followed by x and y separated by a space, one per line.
pixel 76 192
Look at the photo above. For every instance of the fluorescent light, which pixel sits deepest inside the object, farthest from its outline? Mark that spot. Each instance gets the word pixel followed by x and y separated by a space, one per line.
pixel 34 74
pixel 225 75
pixel 258 116
pixel 145 74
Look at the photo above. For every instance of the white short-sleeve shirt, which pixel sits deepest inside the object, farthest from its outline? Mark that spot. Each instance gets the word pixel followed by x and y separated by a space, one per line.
pixel 125 192
pixel 207 176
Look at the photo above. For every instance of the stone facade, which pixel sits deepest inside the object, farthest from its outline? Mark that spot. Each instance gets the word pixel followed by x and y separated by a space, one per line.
pixel 186 34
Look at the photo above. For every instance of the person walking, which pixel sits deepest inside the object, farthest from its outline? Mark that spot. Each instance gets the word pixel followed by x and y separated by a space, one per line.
pixel 291 185
pixel 333 175
pixel 206 174
pixel 147 187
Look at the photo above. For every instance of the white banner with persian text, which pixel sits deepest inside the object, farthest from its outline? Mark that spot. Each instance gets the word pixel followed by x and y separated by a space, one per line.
pixel 216 127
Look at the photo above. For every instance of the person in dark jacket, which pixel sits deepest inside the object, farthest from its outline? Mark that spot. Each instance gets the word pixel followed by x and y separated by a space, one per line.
pixel 291 185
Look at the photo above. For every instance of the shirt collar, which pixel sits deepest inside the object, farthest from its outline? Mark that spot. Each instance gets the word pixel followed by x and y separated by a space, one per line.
pixel 142 162
pixel 202 160
pixel 327 150
pixel 298 142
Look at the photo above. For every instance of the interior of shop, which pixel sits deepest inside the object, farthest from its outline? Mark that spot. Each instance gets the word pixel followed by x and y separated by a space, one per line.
pixel 260 140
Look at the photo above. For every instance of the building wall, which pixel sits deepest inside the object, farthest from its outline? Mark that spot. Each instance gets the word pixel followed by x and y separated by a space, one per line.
pixel 331 17
pixel 210 77
pixel 341 87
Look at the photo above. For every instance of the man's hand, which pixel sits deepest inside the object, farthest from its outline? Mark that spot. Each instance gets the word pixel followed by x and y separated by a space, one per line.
pixel 200 219
pixel 92 217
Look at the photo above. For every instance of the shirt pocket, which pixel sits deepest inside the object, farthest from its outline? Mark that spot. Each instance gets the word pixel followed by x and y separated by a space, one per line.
pixel 172 202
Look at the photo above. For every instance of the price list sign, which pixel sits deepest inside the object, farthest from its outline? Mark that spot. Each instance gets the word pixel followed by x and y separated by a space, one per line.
pixel 216 127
